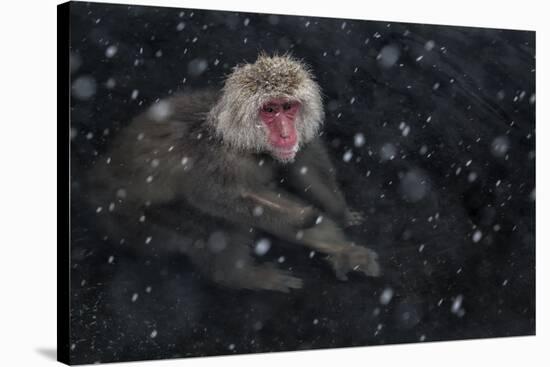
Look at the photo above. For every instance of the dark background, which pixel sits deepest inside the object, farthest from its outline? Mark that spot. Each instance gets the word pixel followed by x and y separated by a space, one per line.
pixel 445 178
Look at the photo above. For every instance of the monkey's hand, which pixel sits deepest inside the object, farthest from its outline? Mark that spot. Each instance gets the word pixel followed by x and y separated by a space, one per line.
pixel 270 278
pixel 355 258
pixel 259 277
pixel 353 218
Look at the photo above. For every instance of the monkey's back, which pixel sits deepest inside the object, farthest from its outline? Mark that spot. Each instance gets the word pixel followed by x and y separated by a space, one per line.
pixel 157 145
pixel 150 164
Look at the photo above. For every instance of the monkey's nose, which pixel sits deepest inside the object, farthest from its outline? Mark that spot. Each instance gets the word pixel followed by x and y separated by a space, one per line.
pixel 285 130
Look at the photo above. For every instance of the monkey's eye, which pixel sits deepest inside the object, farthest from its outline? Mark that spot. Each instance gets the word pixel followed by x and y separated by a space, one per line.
pixel 268 109
pixel 287 106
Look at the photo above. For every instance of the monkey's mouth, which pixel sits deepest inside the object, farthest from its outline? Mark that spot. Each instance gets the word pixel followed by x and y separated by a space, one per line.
pixel 286 154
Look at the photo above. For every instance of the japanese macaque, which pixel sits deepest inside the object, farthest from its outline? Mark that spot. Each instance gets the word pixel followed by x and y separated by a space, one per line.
pixel 206 173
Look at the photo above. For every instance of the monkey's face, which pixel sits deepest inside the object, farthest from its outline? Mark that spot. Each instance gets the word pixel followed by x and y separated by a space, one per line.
pixel 271 106
pixel 278 116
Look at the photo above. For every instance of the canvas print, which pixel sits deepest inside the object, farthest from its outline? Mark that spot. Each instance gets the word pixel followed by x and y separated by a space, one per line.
pixel 243 183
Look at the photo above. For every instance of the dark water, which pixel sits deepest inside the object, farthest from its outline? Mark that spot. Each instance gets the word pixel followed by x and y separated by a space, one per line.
pixel 432 131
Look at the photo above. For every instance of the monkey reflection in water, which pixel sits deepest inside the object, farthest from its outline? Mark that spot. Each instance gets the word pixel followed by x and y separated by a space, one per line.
pixel 205 173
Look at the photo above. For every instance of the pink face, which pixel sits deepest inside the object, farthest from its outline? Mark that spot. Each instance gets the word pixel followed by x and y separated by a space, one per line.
pixel 279 116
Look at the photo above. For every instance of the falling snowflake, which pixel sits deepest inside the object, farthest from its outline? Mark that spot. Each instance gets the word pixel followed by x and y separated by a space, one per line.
pixel 386 296
pixel 111 51
pixel 428 46
pixel 456 307
pixel 262 247
pixel 359 140
pixel 347 156
pixel 476 237
pixel 258 211
pixel 388 56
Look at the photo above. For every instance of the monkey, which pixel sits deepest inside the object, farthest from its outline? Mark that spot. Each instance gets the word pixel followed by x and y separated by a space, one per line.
pixel 202 173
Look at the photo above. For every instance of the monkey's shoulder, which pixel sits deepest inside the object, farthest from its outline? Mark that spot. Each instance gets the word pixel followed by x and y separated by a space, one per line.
pixel 160 143
pixel 192 106
pixel 169 123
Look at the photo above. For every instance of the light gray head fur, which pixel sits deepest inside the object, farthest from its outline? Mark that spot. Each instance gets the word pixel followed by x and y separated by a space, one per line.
pixel 235 116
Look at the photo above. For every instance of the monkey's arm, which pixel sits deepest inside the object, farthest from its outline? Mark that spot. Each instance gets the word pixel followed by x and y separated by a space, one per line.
pixel 273 211
pixel 290 219
pixel 313 174
pixel 248 203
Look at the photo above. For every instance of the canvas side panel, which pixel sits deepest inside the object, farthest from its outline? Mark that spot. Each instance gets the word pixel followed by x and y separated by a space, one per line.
pixel 63 184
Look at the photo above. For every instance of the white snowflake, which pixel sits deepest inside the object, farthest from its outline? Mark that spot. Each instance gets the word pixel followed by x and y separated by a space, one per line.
pixel 386 296
pixel 262 247
pixel 428 46
pixel 359 140
pixel 476 237
pixel 111 51
pixel 456 307
pixel 258 211
pixel 347 156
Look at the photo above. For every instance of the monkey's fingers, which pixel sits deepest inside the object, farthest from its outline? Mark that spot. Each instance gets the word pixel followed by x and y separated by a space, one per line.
pixel 278 280
pixel 355 258
pixel 340 266
pixel 292 282
pixel 366 261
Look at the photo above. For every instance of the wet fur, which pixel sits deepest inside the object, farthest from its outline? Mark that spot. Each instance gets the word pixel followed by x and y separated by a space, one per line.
pixel 197 173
